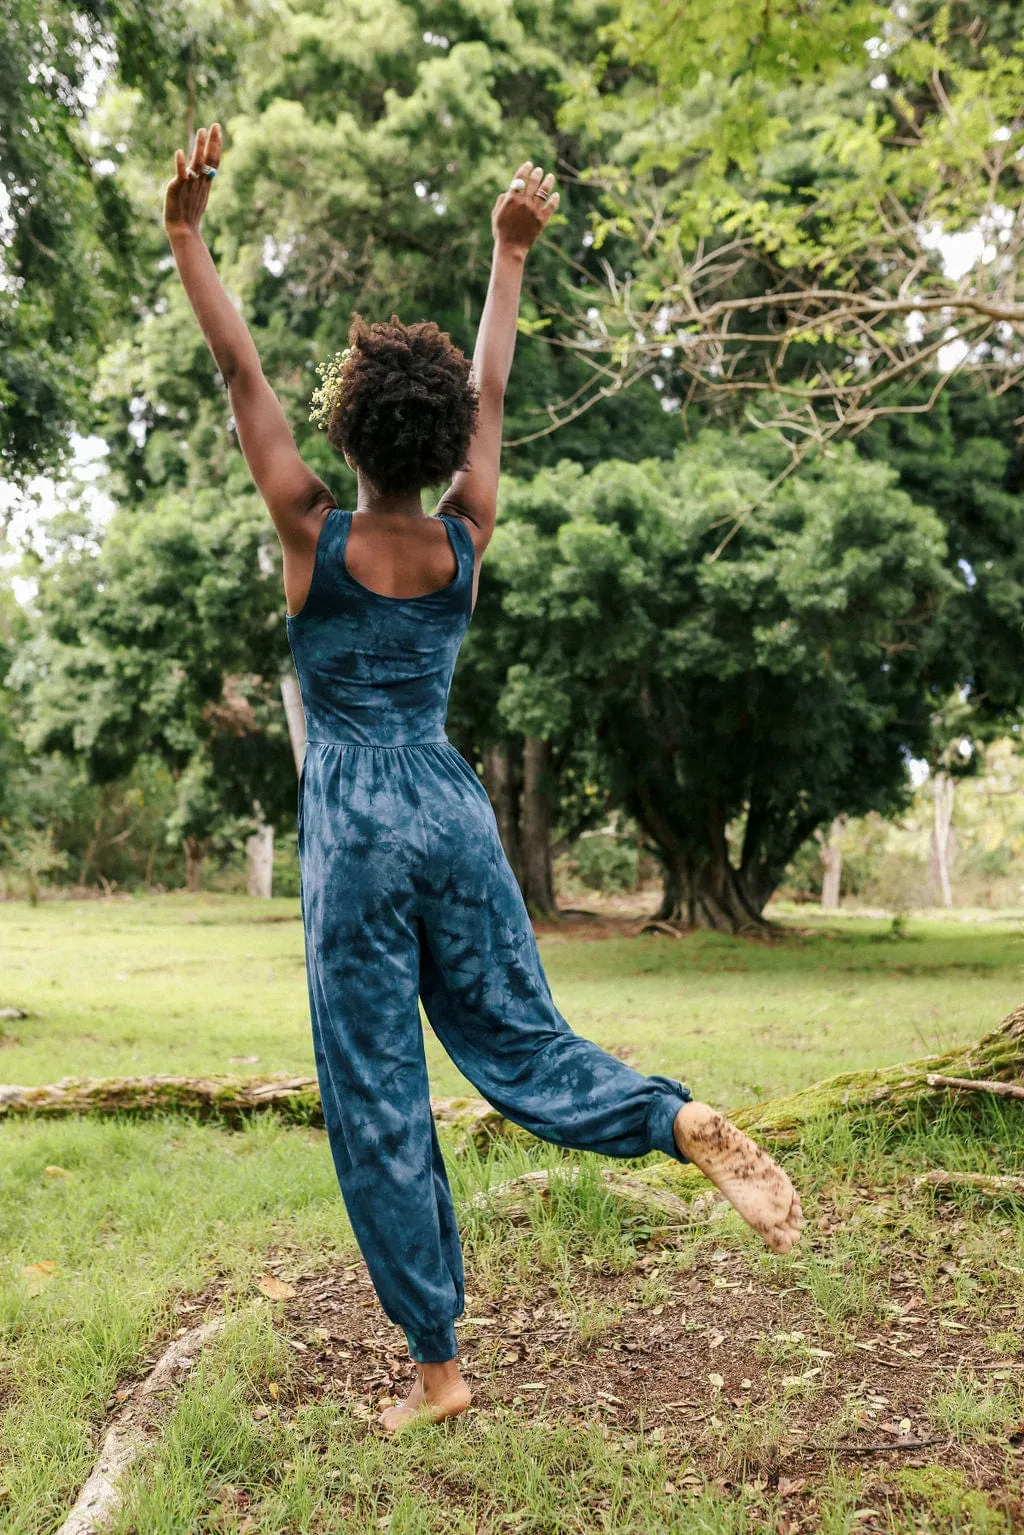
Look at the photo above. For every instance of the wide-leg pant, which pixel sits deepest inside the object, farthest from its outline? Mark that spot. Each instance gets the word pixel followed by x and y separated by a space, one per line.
pixel 407 894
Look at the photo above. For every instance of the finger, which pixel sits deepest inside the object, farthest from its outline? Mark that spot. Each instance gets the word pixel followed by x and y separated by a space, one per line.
pixel 547 184
pixel 214 146
pixel 534 179
pixel 179 164
pixel 549 208
pixel 524 170
pixel 198 150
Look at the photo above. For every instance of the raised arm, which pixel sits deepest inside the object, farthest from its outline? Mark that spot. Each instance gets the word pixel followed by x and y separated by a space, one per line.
pixel 296 498
pixel 517 219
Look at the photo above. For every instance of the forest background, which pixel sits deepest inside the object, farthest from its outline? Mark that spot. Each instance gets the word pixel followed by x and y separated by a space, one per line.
pixel 751 623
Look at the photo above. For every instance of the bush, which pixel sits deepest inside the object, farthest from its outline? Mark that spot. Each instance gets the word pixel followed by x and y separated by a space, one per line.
pixel 606 863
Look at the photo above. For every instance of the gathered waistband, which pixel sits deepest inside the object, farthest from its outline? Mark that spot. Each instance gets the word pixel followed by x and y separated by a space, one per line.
pixel 380 746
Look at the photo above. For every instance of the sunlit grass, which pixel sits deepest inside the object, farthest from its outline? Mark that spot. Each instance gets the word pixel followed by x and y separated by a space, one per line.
pixel 200 984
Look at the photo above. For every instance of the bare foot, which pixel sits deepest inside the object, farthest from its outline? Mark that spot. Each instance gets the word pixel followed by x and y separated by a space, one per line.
pixel 753 1184
pixel 440 1392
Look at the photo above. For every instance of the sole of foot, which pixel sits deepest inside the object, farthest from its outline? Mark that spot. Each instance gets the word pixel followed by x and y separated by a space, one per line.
pixel 755 1185
pixel 417 1408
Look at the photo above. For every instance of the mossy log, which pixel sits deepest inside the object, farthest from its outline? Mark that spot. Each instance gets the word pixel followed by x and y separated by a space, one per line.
pixel 231 1100
pixel 897 1094
pixel 893 1092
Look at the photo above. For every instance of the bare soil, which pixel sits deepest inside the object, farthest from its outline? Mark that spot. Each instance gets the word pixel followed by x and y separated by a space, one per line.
pixel 702 1370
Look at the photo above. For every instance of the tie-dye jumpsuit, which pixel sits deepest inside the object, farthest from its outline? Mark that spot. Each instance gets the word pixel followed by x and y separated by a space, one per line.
pixel 406 895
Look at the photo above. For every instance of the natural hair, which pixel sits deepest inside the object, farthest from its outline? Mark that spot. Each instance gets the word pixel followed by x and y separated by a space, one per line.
pixel 400 402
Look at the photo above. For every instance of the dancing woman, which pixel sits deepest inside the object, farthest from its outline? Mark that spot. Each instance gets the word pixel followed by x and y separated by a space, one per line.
pixel 406 892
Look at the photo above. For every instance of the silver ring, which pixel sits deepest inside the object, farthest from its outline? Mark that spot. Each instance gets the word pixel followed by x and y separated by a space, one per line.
pixel 517 184
pixel 210 170
pixel 190 174
pixel 542 195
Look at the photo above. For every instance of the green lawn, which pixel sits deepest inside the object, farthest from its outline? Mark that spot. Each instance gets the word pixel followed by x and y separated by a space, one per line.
pixel 176 984
pixel 114 1234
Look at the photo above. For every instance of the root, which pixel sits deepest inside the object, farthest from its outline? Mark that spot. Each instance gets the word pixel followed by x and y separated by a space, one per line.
pixel 995 1184
pixel 660 1201
pixel 134 1431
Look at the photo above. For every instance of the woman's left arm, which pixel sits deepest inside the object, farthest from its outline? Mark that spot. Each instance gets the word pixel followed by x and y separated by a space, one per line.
pixel 296 498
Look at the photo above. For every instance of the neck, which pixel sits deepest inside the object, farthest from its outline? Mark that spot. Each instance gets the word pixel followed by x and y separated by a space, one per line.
pixel 368 499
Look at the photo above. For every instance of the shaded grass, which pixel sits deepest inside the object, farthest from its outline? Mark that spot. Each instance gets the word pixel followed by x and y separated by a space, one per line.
pixel 185 984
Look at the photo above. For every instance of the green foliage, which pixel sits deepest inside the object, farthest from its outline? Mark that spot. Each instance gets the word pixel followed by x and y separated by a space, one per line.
pixel 606 863
pixel 366 141
pixel 167 641
pixel 782 681
pixel 790 178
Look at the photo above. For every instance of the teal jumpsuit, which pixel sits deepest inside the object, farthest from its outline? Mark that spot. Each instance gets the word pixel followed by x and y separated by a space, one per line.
pixel 407 895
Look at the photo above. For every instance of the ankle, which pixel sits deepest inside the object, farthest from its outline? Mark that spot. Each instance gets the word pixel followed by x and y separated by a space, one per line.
pixel 691 1118
pixel 440 1375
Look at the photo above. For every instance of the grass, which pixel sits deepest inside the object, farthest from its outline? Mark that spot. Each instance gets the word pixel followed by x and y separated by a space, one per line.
pixel 193 985
pixel 113 1234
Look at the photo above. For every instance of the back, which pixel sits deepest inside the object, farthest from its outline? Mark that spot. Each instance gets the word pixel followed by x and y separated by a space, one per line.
pixel 377 670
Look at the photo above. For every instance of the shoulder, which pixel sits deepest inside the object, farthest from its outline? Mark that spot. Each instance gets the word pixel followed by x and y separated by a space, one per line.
pixel 478 535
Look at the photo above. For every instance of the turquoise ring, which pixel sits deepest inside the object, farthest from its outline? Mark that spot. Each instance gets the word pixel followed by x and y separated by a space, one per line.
pixel 211 171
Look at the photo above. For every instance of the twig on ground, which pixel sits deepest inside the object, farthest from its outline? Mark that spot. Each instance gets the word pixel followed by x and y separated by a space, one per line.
pixel 880 1449
pixel 1001 1089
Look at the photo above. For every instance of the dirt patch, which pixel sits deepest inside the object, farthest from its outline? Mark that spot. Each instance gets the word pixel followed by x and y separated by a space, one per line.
pixel 734 1373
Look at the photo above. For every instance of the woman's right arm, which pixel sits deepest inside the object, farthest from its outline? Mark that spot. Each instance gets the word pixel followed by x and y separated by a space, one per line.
pixel 516 220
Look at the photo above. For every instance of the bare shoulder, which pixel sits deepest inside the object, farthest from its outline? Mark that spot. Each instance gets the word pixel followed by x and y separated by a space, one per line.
pixel 480 534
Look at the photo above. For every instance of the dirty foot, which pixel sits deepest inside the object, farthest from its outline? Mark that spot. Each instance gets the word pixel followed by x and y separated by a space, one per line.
pixel 753 1184
pixel 440 1392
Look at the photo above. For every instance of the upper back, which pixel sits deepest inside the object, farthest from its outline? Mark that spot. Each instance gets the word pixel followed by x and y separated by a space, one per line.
pixel 376 669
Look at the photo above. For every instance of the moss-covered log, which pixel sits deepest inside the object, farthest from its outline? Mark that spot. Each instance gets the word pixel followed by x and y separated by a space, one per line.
pixel 895 1092
pixel 228 1099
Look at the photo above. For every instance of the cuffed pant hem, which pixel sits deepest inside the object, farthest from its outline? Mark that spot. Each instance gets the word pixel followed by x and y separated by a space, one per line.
pixel 661 1117
pixel 433 1347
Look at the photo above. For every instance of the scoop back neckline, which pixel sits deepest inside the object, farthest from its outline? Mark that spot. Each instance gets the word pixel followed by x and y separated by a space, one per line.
pixel 368 591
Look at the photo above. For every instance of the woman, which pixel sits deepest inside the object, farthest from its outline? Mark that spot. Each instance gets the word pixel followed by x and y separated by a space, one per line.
pixel 406 892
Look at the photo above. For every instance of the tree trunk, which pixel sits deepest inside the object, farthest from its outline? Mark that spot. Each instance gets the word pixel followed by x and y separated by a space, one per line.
pixel 296 717
pixel 501 782
pixel 259 863
pixel 535 830
pixel 832 864
pixel 195 852
pixel 943 790
pixel 711 894
pixel 673 886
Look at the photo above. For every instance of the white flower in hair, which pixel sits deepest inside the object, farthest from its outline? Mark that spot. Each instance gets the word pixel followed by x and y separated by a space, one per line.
pixel 327 394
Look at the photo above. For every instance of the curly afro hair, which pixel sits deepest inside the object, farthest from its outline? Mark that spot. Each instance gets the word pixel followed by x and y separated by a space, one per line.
pixel 407 405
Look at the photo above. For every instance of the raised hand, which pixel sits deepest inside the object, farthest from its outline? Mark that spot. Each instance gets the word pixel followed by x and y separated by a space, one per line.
pixel 186 196
pixel 520 214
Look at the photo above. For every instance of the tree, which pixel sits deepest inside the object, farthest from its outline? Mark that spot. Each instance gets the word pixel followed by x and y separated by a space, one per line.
pixel 827 205
pixel 167 641
pixel 733 706
pixel 366 141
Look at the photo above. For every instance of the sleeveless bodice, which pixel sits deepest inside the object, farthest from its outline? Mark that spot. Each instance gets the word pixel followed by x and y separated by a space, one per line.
pixel 377 670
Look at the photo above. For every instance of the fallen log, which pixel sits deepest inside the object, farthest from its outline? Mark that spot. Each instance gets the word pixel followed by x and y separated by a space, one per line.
pixel 896 1092
pixel 231 1100
pixel 625 1187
